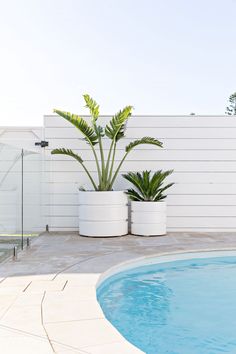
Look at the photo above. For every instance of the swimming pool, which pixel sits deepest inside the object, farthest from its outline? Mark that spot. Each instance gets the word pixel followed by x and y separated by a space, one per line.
pixel 184 306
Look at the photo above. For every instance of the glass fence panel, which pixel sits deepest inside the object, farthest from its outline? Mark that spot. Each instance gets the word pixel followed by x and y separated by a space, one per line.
pixel 10 198
pixel 22 197
pixel 34 221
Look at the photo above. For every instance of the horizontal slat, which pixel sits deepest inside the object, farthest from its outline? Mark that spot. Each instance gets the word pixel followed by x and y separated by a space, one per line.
pixel 222 179
pixel 61 188
pixel 176 177
pixel 154 121
pixel 200 177
pixel 198 230
pixel 30 178
pixel 160 133
pixel 170 144
pixel 199 222
pixel 33 166
pixel 64 199
pixel 66 194
pixel 63 229
pixel 172 211
pixel 204 189
pixel 156 154
pixel 177 166
pixel 61 210
pixel 169 229
pixel 203 211
pixel 201 200
pixel 67 221
pixel 195 222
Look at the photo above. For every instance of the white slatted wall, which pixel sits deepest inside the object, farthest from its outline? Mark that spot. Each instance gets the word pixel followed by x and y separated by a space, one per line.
pixel 200 149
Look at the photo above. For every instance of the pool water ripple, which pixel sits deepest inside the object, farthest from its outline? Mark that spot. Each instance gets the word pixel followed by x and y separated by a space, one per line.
pixel 178 307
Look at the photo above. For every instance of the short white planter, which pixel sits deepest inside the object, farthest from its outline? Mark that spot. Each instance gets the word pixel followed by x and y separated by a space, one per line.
pixel 103 214
pixel 148 218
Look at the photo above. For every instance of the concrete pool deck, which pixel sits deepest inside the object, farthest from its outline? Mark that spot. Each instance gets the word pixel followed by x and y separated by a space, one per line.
pixel 48 296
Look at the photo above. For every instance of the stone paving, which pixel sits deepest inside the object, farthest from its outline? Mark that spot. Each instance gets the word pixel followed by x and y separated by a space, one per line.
pixel 48 296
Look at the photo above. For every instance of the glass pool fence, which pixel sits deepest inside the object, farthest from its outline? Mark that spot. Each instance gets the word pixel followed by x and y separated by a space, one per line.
pixel 22 197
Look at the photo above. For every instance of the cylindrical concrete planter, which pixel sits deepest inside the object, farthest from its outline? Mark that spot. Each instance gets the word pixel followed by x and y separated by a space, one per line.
pixel 148 218
pixel 103 214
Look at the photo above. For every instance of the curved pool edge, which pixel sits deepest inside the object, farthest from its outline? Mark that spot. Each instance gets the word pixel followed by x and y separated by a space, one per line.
pixel 156 258
pixel 162 258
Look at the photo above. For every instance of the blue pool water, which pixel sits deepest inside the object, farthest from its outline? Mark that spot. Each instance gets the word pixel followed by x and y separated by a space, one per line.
pixel 180 307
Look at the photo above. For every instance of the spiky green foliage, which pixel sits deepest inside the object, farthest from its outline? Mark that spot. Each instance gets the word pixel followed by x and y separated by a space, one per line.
pixel 88 132
pixel 94 134
pixel 116 127
pixel 231 108
pixel 148 187
pixel 145 140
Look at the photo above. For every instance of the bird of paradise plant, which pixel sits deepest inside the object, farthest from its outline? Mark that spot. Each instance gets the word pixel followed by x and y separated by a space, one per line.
pixel 94 134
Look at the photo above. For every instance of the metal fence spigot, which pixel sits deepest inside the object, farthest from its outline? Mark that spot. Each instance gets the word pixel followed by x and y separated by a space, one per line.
pixel 14 253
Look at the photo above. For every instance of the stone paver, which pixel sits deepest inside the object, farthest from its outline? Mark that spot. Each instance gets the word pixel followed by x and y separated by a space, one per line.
pixel 24 315
pixel 114 348
pixel 65 306
pixel 45 285
pixel 48 296
pixel 75 333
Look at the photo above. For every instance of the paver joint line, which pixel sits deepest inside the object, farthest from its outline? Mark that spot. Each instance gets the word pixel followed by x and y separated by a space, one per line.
pixel 43 322
pixel 70 263
pixel 27 286
pixel 18 331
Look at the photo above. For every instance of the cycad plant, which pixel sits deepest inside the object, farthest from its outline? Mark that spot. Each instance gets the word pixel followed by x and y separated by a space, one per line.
pixel 94 134
pixel 148 187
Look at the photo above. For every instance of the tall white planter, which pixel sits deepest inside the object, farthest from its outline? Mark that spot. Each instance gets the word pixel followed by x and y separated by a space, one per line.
pixel 148 218
pixel 103 214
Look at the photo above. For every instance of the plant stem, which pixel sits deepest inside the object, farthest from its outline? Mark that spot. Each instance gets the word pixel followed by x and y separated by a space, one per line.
pixel 103 176
pixel 117 170
pixel 90 177
pixel 112 165
pixel 97 164
pixel 108 159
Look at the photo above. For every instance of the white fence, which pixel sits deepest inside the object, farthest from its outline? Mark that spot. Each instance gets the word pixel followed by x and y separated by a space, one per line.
pixel 200 149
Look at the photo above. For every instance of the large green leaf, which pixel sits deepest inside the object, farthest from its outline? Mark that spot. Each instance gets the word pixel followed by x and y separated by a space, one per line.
pixel 116 127
pixel 92 105
pixel 67 152
pixel 144 140
pixel 70 153
pixel 89 133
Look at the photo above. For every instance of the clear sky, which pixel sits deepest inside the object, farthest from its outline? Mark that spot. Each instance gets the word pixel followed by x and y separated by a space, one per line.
pixel 161 56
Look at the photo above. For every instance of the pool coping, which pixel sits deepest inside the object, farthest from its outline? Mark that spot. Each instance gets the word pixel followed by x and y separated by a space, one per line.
pixel 160 258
